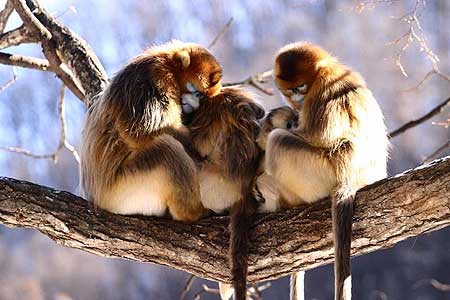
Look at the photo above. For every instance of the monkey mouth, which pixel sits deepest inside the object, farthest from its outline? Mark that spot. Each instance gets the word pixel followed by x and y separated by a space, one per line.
pixel 298 98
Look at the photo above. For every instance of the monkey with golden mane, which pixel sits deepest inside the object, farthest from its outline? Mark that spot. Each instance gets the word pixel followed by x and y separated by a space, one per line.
pixel 136 155
pixel 339 146
pixel 224 130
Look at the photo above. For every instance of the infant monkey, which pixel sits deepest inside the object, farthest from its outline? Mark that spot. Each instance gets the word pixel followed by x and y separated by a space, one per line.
pixel 224 130
pixel 270 193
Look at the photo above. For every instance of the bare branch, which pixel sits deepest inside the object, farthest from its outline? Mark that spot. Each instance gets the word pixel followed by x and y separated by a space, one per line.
pixel 437 152
pixel 206 289
pixel 4 14
pixel 9 82
pixel 16 36
pixel 434 71
pixel 187 287
pixel 25 61
pixel 438 109
pixel 30 21
pixel 415 34
pixel 63 143
pixel 436 284
pixel 370 4
pixel 74 52
pixel 255 81
pixel 62 71
pixel 221 33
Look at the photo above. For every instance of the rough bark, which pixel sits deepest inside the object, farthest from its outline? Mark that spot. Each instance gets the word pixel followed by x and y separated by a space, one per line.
pixel 386 213
pixel 73 51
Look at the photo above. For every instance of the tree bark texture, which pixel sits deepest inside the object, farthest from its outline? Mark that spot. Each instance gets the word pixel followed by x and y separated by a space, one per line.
pixel 386 213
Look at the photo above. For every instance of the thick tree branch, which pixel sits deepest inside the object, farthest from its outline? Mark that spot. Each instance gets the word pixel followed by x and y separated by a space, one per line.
pixel 30 21
pixel 61 70
pixel 74 52
pixel 387 212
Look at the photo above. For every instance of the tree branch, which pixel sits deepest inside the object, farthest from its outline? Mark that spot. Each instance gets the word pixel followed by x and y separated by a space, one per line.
pixel 15 37
pixel 5 13
pixel 24 61
pixel 74 52
pixel 386 213
pixel 61 70
pixel 255 81
pixel 438 109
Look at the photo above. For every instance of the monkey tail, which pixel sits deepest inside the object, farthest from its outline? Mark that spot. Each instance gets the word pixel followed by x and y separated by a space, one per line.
pixel 342 217
pixel 241 219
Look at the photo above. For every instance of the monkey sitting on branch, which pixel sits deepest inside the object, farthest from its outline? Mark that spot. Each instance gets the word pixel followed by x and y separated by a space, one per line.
pixel 136 155
pixel 224 130
pixel 339 146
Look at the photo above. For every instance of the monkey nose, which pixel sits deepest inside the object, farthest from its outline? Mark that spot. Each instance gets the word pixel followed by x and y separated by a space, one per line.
pixel 298 98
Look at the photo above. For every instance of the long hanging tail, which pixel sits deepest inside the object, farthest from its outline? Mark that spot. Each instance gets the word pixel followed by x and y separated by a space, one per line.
pixel 342 217
pixel 298 286
pixel 242 214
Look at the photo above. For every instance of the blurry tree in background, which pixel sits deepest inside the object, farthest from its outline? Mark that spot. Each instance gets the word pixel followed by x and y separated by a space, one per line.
pixel 402 48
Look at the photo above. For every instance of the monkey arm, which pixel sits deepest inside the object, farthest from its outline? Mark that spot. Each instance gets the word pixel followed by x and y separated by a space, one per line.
pixel 184 138
pixel 300 167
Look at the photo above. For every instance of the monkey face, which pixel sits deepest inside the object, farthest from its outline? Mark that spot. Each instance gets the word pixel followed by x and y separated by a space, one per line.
pixel 282 117
pixel 201 74
pixel 295 70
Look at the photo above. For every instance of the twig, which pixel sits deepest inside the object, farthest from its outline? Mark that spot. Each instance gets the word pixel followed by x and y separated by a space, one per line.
pixel 16 36
pixel 30 20
pixel 415 34
pixel 9 82
pixel 25 61
pixel 362 5
pixel 63 143
pixel 221 33
pixel 434 71
pixel 5 13
pixel 255 81
pixel 206 289
pixel 187 287
pixel 438 109
pixel 437 152
pixel 436 284
pixel 253 292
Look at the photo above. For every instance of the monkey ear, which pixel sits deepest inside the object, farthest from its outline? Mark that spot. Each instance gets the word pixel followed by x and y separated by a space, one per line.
pixel 184 58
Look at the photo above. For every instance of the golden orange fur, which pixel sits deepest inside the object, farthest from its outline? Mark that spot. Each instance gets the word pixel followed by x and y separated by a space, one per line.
pixel 136 155
pixel 339 146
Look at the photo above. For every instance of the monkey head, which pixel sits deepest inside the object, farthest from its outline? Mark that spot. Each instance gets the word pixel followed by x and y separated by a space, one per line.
pixel 281 117
pixel 199 76
pixel 295 70
pixel 199 71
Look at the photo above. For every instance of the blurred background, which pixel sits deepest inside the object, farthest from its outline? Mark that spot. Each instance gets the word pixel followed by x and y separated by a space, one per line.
pixel 357 32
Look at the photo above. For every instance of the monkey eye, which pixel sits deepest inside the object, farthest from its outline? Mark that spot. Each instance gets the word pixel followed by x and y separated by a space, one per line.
pixel 199 95
pixel 289 125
